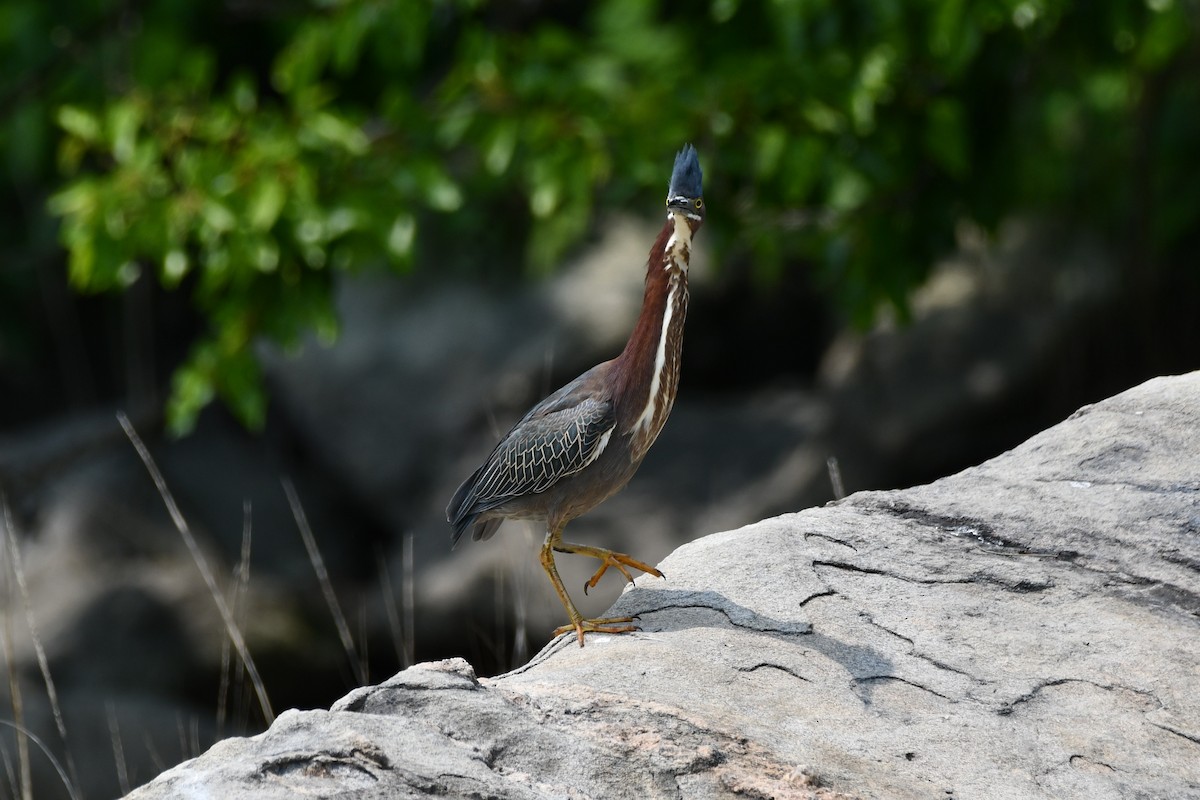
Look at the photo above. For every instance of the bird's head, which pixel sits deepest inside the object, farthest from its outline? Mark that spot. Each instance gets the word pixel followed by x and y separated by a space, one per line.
pixel 685 195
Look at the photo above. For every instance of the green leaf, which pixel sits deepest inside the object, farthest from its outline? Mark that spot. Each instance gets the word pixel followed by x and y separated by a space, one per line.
pixel 400 236
pixel 499 149
pixel 78 122
pixel 335 130
pixel 266 203
pixel 191 390
pixel 79 199
pixel 124 118
pixel 175 267
pixel 849 188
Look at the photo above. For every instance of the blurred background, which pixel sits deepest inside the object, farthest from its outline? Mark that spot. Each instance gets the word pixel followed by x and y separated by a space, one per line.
pixel 322 254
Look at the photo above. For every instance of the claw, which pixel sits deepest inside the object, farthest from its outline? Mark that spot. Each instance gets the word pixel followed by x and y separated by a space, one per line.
pixel 601 625
pixel 595 579
pixel 618 560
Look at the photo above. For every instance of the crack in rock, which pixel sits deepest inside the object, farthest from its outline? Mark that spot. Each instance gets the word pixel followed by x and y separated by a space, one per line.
pixel 828 538
pixel 817 596
pixel 1011 706
pixel 898 679
pixel 772 665
pixel 946 667
pixel 363 761
pixel 657 600
pixel 1019 587
pixel 1082 762
pixel 914 653
pixel 871 621
pixel 1193 738
pixel 848 567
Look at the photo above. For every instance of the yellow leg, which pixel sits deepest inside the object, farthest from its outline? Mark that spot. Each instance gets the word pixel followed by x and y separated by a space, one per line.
pixel 578 623
pixel 607 558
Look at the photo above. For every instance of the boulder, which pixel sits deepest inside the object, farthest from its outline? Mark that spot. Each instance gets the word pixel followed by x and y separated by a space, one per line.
pixel 1027 628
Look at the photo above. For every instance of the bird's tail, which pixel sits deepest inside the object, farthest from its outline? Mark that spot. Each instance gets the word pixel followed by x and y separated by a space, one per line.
pixel 459 513
pixel 463 514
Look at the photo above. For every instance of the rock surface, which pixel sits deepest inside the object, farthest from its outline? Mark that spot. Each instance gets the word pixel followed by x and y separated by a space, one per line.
pixel 1028 628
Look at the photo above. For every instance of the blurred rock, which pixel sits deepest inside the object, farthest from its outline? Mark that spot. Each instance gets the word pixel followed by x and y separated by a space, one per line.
pixel 1026 628
pixel 979 365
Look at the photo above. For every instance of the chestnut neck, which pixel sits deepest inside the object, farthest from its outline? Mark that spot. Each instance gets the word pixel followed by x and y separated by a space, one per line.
pixel 647 371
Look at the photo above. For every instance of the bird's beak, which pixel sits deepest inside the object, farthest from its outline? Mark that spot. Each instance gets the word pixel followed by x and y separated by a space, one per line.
pixel 685 207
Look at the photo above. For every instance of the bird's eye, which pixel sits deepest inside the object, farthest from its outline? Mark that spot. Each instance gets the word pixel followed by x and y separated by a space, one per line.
pixel 699 203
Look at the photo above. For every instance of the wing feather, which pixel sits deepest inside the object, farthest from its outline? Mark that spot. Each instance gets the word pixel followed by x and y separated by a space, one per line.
pixel 541 450
pixel 558 437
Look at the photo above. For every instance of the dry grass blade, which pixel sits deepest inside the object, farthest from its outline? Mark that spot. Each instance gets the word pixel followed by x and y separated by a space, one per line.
pixel 14 691
pixel 241 582
pixel 520 651
pixel 14 552
pixel 318 564
pixel 72 791
pixel 366 641
pixel 194 737
pixel 835 477
pixel 118 746
pixel 389 607
pixel 9 773
pixel 231 628
pixel 409 603
pixel 182 734
pixel 152 751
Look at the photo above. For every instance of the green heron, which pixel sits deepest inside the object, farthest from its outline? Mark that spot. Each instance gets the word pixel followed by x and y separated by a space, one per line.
pixel 582 444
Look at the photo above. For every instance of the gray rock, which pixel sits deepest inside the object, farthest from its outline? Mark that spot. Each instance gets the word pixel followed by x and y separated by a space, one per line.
pixel 1028 628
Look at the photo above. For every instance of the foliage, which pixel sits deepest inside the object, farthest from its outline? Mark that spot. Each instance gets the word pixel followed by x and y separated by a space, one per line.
pixel 845 136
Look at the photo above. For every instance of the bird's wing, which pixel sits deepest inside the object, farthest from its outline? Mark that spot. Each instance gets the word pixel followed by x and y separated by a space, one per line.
pixel 558 437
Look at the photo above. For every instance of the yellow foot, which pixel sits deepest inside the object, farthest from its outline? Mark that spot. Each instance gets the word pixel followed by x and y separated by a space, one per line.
pixel 620 561
pixel 603 625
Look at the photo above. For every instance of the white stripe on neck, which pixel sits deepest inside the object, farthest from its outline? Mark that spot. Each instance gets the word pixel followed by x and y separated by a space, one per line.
pixel 676 251
pixel 660 361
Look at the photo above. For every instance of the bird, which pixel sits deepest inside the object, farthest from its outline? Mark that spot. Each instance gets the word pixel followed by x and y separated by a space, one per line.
pixel 582 444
